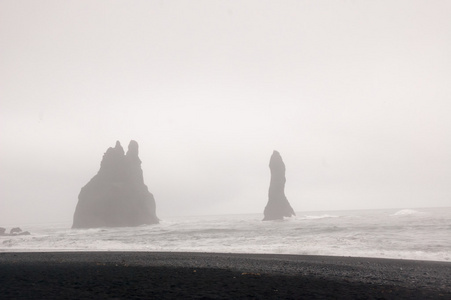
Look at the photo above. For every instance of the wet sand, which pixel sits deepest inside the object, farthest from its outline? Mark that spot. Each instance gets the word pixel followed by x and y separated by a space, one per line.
pixel 169 275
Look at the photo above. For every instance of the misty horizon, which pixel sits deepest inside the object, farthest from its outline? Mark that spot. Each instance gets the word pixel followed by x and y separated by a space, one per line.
pixel 354 96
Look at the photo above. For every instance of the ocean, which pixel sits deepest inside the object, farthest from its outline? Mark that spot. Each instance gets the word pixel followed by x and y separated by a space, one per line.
pixel 420 234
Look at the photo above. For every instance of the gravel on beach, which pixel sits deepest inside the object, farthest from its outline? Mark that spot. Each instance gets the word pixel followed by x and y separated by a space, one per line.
pixel 173 275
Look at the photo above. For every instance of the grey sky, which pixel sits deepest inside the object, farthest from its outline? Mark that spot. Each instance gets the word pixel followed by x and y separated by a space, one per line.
pixel 355 95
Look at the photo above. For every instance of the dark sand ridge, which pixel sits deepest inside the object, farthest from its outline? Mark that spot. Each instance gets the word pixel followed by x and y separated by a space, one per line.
pixel 150 275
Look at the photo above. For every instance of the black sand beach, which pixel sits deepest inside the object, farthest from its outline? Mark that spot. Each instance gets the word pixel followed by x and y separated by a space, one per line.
pixel 149 275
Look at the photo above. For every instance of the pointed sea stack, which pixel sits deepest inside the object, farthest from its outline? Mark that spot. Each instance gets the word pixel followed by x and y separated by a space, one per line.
pixel 278 205
pixel 117 195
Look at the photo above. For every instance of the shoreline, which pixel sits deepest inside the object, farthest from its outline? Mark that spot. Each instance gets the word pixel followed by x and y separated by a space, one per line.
pixel 196 275
pixel 76 250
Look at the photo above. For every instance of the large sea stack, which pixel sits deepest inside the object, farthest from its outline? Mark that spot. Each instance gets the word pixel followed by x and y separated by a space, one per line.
pixel 278 205
pixel 117 195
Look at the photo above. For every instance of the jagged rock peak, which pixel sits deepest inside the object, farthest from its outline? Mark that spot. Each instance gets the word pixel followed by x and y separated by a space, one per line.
pixel 133 148
pixel 276 163
pixel 117 195
pixel 112 155
pixel 118 148
pixel 278 206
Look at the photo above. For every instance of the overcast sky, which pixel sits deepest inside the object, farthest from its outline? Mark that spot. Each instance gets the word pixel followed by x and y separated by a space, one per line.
pixel 355 95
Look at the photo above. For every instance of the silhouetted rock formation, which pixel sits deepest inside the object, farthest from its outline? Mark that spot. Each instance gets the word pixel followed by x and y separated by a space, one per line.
pixel 278 205
pixel 14 231
pixel 22 233
pixel 117 195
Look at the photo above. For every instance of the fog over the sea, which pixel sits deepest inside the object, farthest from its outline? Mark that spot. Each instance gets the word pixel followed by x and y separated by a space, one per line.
pixel 355 95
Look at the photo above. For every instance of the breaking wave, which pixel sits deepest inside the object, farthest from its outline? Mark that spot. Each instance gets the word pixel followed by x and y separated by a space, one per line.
pixel 349 233
pixel 320 217
pixel 407 212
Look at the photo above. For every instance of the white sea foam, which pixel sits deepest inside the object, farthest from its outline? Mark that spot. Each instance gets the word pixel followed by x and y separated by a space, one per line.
pixel 320 217
pixel 347 233
pixel 407 212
